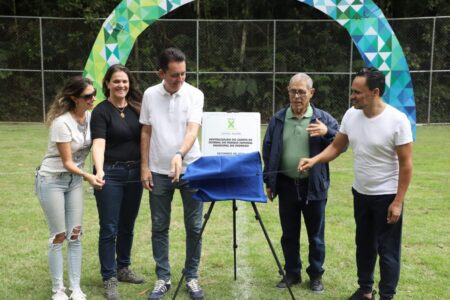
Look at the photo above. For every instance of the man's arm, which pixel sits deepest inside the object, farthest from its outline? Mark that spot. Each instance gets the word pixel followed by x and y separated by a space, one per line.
pixel 267 148
pixel 188 141
pixel 266 153
pixel 404 153
pixel 146 174
pixel 329 153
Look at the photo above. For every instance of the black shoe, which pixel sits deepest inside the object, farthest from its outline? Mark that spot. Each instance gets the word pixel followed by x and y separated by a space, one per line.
pixel 160 289
pixel 316 285
pixel 194 289
pixel 359 295
pixel 290 281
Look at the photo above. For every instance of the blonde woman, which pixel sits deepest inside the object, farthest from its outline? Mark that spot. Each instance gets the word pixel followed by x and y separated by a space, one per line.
pixel 59 181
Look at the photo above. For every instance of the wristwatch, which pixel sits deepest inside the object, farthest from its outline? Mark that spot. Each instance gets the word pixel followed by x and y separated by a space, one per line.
pixel 181 154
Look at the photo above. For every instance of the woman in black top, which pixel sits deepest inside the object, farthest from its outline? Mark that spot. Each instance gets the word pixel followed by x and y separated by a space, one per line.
pixel 115 131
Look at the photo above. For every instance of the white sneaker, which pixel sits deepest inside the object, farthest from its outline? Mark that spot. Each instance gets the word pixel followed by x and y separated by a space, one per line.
pixel 60 295
pixel 77 294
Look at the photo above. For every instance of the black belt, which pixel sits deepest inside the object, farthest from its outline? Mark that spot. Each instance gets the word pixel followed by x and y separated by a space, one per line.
pixel 128 164
pixel 296 181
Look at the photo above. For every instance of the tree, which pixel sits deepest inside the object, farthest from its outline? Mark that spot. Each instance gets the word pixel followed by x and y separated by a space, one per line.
pixel 224 46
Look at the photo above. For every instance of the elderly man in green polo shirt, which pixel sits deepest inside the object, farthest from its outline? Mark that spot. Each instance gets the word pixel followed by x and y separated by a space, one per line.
pixel 298 131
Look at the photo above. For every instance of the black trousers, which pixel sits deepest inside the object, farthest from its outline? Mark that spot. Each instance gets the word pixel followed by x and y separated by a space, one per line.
pixel 292 204
pixel 374 236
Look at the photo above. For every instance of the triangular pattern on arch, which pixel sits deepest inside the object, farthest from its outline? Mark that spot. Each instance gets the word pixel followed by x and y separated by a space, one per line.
pixel 378 46
pixel 365 22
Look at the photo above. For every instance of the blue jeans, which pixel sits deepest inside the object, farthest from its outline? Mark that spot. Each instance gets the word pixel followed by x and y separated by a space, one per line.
pixel 61 198
pixel 292 203
pixel 375 237
pixel 160 206
pixel 118 206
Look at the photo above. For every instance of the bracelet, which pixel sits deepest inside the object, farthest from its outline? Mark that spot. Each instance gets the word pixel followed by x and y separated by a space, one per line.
pixel 181 154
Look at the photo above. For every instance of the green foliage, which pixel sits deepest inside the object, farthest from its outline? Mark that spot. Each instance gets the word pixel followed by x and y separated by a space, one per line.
pixel 223 47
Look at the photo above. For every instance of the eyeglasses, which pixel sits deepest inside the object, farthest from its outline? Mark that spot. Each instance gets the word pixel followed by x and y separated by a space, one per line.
pixel 88 96
pixel 301 93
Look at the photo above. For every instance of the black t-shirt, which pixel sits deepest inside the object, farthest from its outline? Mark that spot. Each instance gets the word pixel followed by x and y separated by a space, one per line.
pixel 122 135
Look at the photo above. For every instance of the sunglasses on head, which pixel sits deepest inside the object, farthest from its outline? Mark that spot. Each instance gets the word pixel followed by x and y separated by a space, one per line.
pixel 89 96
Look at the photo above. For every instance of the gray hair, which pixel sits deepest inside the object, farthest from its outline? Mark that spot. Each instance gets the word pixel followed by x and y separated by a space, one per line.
pixel 302 77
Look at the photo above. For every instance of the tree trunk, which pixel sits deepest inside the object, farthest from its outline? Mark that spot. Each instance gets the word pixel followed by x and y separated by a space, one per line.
pixel 243 45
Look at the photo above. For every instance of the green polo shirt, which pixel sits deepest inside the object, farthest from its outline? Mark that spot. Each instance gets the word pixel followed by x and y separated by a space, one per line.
pixel 295 142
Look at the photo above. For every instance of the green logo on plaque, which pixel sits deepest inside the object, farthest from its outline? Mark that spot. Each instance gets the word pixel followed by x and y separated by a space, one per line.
pixel 231 124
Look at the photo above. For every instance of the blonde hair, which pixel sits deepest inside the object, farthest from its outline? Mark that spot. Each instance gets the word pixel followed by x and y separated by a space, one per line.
pixel 63 102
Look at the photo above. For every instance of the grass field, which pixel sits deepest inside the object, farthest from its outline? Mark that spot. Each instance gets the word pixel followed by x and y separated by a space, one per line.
pixel 426 236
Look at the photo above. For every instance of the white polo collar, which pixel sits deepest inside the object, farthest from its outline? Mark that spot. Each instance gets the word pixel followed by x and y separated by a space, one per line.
pixel 180 92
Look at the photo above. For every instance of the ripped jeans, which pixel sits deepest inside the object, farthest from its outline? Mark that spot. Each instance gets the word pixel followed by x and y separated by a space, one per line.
pixel 61 198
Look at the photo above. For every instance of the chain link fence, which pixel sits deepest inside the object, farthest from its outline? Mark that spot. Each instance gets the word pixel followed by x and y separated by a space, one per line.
pixel 241 65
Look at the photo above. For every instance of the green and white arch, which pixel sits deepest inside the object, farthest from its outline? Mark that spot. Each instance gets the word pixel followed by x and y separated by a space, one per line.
pixel 119 32
pixel 378 46
pixel 363 19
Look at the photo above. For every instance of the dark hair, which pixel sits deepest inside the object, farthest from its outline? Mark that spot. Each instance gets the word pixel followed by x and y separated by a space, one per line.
pixel 134 95
pixel 169 55
pixel 375 79
pixel 73 87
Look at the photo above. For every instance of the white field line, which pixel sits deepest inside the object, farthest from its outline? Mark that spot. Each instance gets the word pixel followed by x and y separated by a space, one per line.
pixel 244 270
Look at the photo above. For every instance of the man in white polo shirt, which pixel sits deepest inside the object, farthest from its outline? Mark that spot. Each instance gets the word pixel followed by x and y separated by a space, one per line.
pixel 171 116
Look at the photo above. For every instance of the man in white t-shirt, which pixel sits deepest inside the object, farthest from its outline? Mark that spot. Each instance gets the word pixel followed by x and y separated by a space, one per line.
pixel 381 140
pixel 171 117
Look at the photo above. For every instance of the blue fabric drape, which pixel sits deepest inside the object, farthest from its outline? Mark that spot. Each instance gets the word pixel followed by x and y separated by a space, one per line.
pixel 237 177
